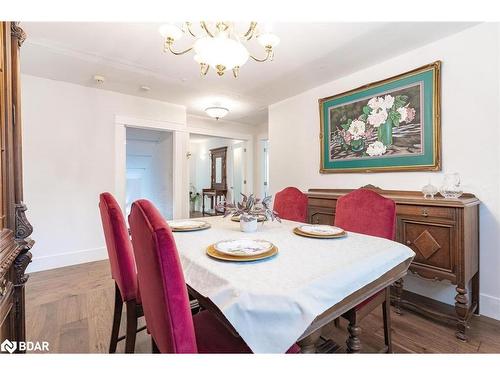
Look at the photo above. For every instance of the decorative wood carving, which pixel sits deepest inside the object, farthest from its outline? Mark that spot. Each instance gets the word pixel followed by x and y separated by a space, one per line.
pixel 22 225
pixel 18 33
pixel 444 233
pixel 15 228
pixel 426 244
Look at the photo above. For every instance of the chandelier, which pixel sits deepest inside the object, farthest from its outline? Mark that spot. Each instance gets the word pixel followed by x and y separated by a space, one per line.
pixel 221 48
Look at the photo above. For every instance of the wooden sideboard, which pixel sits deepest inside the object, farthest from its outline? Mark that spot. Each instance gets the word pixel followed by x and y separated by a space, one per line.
pixel 15 229
pixel 444 233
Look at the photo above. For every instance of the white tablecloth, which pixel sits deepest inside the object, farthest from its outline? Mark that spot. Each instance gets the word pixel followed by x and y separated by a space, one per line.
pixel 272 302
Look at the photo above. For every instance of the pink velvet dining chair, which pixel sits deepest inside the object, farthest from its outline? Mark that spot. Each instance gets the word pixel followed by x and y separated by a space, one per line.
pixel 367 212
pixel 123 271
pixel 291 204
pixel 165 300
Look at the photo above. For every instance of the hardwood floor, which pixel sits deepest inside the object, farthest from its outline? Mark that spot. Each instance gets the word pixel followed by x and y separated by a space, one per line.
pixel 71 308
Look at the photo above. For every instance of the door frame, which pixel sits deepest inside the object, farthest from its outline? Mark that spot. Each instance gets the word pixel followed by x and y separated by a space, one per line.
pixel 180 150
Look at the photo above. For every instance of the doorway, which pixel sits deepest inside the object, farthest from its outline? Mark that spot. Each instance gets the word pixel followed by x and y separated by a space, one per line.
pixel 200 169
pixel 149 168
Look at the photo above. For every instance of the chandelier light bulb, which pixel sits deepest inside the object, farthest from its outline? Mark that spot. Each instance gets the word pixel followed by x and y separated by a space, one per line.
pixel 268 40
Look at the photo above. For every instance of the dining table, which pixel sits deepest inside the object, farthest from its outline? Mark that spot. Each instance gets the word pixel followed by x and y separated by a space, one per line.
pixel 275 302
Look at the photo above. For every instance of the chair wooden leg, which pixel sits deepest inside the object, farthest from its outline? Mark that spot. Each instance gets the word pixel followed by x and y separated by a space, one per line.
pixel 131 326
pixel 117 315
pixel 154 347
pixel 353 342
pixel 386 312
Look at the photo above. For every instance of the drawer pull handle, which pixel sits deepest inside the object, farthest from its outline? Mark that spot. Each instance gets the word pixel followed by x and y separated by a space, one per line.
pixel 408 242
pixel 424 212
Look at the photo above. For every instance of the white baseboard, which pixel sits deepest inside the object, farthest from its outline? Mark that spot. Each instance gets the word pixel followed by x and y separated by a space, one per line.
pixel 489 306
pixel 66 259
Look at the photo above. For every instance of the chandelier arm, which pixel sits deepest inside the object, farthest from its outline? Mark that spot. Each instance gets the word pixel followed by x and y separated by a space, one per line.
pixel 188 28
pixel 205 27
pixel 269 53
pixel 251 29
pixel 177 53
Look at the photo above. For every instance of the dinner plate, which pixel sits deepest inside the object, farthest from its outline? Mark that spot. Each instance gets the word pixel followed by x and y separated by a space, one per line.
pixel 213 253
pixel 319 231
pixel 188 225
pixel 243 247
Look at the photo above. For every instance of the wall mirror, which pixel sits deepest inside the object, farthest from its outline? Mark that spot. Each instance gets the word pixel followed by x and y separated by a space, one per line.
pixel 218 170
pixel 218 159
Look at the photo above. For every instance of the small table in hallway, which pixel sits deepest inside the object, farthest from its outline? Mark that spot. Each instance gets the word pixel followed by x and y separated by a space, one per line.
pixel 215 195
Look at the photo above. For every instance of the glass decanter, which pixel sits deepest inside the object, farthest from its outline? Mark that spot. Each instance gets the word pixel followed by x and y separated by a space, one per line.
pixel 451 188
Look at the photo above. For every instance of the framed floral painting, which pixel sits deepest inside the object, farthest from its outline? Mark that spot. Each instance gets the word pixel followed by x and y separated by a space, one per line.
pixel 390 125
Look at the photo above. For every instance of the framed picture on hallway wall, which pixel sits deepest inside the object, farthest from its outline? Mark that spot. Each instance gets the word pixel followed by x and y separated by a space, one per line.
pixel 385 126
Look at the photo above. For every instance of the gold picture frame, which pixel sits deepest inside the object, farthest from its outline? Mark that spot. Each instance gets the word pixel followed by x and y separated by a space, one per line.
pixel 431 150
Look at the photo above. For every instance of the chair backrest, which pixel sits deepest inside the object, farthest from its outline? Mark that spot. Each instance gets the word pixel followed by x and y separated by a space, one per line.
pixel 291 204
pixel 121 255
pixel 367 212
pixel 163 289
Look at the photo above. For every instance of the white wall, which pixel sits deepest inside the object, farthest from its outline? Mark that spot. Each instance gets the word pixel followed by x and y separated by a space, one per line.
pixel 470 134
pixel 69 159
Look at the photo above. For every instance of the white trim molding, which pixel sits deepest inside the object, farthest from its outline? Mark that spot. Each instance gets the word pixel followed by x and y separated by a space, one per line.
pixel 49 262
pixel 489 306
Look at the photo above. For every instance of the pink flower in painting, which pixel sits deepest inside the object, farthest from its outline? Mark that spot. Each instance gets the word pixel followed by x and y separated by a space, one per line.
pixel 377 118
pixel 369 133
pixel 407 114
pixel 347 137
pixel 410 114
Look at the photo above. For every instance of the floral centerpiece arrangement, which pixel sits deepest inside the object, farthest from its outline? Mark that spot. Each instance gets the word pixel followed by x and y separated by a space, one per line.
pixel 375 125
pixel 249 210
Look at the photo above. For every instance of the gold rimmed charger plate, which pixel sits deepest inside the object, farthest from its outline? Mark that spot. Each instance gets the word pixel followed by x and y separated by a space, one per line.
pixel 213 253
pixel 260 219
pixel 298 232
pixel 192 229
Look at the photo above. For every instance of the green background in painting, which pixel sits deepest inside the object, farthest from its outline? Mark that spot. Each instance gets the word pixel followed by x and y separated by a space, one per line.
pixel 395 161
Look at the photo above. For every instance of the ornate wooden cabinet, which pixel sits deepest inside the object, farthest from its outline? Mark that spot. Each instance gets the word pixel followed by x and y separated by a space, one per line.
pixel 444 233
pixel 14 227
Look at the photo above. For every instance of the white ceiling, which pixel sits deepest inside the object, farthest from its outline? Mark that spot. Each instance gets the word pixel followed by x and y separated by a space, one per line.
pixel 130 55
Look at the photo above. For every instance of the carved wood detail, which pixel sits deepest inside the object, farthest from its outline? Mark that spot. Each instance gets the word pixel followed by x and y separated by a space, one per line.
pixel 15 228
pixel 426 244
pixel 18 33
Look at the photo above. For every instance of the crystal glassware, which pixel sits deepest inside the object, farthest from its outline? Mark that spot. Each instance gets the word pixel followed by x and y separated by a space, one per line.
pixel 429 191
pixel 451 188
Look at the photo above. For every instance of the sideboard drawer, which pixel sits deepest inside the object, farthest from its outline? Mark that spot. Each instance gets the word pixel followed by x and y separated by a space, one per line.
pixel 432 244
pixel 426 211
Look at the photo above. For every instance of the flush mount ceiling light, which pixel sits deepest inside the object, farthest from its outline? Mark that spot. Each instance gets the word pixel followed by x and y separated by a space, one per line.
pixel 220 46
pixel 216 112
